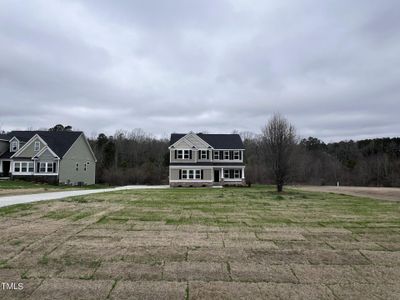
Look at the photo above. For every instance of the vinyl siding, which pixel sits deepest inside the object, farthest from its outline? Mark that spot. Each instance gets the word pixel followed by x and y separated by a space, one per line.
pixel 47 156
pixel 30 150
pixel 79 153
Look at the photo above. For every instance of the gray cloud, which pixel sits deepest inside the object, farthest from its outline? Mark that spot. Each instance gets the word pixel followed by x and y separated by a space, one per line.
pixel 332 67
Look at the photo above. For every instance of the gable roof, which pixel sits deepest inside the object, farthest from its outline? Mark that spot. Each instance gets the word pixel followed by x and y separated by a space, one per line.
pixel 4 137
pixel 58 141
pixel 217 141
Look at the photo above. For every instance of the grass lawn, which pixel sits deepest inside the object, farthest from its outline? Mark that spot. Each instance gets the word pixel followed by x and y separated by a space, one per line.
pixel 202 244
pixel 17 187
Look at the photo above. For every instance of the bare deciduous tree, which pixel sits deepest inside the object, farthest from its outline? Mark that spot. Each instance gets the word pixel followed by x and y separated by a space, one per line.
pixel 279 141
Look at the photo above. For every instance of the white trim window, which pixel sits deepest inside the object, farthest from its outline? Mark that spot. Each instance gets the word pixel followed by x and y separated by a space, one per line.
pixel 191 174
pixel 36 147
pixel 186 154
pixel 47 167
pixel 23 167
pixel 232 173
pixel 183 154
pixel 226 154
pixel 42 167
pixel 197 174
pixel 203 154
pixel 226 173
pixel 179 154
pixel 31 167
pixel 236 155
pixel 14 146
pixel 216 154
pixel 236 173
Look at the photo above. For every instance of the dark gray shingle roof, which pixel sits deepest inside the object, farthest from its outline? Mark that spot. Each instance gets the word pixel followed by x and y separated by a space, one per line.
pixel 217 141
pixel 58 141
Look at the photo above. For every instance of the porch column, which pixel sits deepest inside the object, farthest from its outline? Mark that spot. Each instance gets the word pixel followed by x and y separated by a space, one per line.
pixel 243 173
pixel 222 173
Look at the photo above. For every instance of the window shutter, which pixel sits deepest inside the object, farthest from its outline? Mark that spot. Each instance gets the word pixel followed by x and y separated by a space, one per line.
pixel 54 167
pixel 240 173
pixel 202 174
pixel 180 174
pixel 231 173
pixel 208 154
pixel 38 167
pixel 240 155
pixel 221 154
pixel 176 154
pixel 230 155
pixel 190 154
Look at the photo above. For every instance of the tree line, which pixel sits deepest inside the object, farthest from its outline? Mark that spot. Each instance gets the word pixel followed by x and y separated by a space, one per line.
pixel 274 156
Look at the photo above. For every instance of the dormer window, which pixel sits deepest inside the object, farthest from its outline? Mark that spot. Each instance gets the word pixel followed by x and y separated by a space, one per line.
pixel 37 146
pixel 14 146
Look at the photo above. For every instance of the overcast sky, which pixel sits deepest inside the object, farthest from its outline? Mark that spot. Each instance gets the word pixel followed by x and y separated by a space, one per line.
pixel 332 67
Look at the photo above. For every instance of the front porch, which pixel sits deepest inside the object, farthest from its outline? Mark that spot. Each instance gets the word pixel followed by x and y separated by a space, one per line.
pixel 5 168
pixel 228 176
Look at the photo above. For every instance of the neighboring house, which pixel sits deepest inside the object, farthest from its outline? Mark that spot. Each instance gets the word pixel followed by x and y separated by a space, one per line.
pixel 51 156
pixel 206 160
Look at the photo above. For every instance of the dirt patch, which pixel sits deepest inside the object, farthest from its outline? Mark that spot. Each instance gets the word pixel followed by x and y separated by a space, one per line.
pixel 381 193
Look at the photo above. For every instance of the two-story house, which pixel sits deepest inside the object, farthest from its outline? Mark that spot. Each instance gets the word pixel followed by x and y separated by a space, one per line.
pixel 206 160
pixel 50 156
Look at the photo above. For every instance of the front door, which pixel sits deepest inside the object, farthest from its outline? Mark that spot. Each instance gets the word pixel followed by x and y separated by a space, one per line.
pixel 6 168
pixel 216 175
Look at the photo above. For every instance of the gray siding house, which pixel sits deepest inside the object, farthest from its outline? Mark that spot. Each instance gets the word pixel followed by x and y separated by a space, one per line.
pixel 206 160
pixel 51 156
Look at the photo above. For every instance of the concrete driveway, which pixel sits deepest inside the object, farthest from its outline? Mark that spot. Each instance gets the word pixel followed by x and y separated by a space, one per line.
pixel 11 200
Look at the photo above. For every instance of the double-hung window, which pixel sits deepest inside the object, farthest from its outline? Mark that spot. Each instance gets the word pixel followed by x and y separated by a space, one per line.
pixel 37 146
pixel 24 167
pixel 191 174
pixel 17 167
pixel 216 154
pixel 226 173
pixel 198 174
pixel 30 167
pixel 237 173
pixel 42 167
pixel 203 154
pixel 186 154
pixel 49 167
pixel 236 155
pixel 179 154
pixel 226 154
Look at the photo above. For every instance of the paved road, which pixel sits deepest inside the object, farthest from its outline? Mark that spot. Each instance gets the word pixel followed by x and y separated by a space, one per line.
pixel 10 200
pixel 381 193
